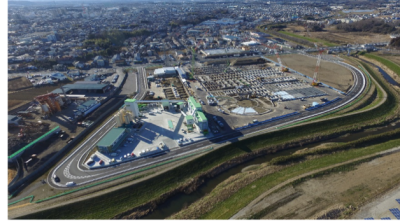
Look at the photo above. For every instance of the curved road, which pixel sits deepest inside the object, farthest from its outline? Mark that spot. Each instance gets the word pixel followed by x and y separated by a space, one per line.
pixel 72 169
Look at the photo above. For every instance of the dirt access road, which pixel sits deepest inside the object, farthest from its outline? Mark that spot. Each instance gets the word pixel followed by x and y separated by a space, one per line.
pixel 328 196
pixel 329 73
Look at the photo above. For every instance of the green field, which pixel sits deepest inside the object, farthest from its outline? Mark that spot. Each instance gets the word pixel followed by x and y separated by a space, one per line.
pixel 312 40
pixel 391 65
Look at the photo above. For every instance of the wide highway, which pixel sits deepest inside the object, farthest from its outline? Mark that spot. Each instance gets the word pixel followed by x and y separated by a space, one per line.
pixel 72 169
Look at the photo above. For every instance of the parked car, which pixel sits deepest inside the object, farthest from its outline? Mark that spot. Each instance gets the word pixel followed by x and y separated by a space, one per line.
pixel 90 162
pixel 56 179
pixel 69 184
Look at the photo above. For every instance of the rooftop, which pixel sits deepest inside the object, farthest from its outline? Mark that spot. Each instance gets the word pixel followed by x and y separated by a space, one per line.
pixel 194 103
pixel 130 100
pixel 221 51
pixel 200 116
pixel 80 86
pixel 164 70
pixel 111 137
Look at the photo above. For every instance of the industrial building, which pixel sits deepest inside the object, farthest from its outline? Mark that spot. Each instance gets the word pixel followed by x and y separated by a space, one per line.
pixel 181 73
pixel 214 53
pixel 124 116
pixel 165 72
pixel 87 107
pixel 250 43
pixel 112 140
pixel 195 115
pixel 84 88
pixel 50 103
pixel 132 106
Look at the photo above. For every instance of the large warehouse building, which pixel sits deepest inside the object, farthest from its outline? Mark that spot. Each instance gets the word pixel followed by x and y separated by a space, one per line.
pixel 216 53
pixel 165 72
pixel 110 142
pixel 84 87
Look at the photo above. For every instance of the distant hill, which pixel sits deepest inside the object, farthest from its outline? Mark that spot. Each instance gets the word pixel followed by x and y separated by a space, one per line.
pixel 368 25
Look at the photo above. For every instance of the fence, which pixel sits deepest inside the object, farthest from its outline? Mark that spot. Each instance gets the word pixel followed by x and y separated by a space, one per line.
pixel 44 137
pixel 19 185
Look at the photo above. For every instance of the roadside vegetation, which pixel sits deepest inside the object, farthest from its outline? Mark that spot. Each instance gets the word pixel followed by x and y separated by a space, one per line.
pixel 312 40
pixel 391 65
pixel 214 206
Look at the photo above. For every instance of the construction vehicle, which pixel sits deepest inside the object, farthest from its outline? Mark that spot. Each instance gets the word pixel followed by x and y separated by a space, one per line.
pixel 315 81
pixel 283 69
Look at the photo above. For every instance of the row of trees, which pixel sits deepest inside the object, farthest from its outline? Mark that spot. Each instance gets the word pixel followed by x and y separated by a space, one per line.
pixel 195 21
pixel 368 25
pixel 113 37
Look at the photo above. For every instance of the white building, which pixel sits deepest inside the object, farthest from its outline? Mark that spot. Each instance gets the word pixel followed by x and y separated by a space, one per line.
pixel 58 76
pixel 165 72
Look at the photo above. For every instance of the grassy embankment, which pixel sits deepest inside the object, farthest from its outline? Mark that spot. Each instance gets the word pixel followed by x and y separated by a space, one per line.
pixel 224 206
pixel 138 194
pixel 223 210
pixel 312 40
pixel 391 65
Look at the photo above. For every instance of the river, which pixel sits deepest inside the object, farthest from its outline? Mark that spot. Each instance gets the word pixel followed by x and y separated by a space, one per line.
pixel 384 74
pixel 182 200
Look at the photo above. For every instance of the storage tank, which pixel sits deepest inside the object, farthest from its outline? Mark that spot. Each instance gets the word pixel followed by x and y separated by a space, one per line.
pixel 117 120
pixel 45 108
pixel 57 105
pixel 60 102
pixel 127 118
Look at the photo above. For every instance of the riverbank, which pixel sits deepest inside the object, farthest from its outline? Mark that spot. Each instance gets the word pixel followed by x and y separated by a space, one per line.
pixel 348 189
pixel 226 200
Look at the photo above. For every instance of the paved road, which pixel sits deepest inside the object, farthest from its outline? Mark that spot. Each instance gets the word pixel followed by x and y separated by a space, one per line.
pixel 71 169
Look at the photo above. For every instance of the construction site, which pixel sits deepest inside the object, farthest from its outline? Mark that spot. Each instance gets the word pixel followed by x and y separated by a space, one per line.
pixel 244 93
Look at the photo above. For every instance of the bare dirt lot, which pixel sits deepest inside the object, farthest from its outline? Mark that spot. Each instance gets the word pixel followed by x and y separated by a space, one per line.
pixel 330 194
pixel 29 94
pixel 333 35
pixel 329 73
pixel 19 83
pixel 16 103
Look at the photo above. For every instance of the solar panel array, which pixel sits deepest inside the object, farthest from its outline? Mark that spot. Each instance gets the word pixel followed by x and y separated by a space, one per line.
pixel 386 218
pixel 398 200
pixel 395 212
pixel 370 218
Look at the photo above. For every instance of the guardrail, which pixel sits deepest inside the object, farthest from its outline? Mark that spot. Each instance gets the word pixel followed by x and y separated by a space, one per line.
pixel 41 138
pixel 111 179
pixel 267 121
